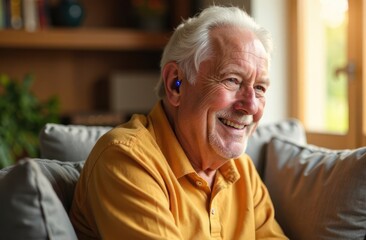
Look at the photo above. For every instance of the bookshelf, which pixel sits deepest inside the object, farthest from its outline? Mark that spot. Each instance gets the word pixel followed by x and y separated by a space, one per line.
pixel 72 63
pixel 86 39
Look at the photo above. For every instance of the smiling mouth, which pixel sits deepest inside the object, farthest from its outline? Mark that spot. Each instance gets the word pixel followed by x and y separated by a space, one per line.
pixel 232 124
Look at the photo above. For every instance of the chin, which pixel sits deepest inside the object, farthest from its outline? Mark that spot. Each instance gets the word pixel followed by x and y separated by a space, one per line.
pixel 233 151
pixel 237 152
pixel 226 148
pixel 231 154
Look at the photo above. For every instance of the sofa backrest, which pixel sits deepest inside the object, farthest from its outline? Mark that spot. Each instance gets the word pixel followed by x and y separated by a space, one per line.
pixel 73 143
pixel 290 129
pixel 69 143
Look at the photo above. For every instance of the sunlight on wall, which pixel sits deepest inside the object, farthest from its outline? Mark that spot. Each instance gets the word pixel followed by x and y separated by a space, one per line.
pixel 273 16
pixel 325 41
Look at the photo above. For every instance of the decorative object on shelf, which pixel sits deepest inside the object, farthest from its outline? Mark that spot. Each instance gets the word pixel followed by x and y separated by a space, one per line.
pixel 150 14
pixel 68 13
pixel 21 119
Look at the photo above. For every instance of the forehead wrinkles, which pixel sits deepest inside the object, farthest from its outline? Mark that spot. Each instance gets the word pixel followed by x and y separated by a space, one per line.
pixel 234 45
pixel 243 59
pixel 251 52
pixel 245 64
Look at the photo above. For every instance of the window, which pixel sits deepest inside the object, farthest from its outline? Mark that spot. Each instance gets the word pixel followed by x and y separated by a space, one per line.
pixel 327 78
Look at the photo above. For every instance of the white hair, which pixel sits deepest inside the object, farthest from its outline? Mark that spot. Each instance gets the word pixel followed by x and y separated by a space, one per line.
pixel 190 43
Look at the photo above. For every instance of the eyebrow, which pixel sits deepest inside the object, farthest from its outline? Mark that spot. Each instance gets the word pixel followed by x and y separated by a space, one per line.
pixel 240 71
pixel 264 80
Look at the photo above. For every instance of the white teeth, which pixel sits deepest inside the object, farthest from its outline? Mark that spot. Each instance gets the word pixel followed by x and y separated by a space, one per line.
pixel 232 124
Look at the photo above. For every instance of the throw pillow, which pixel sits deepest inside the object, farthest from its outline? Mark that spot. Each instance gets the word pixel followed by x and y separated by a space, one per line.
pixel 29 207
pixel 71 143
pixel 63 177
pixel 317 193
pixel 257 144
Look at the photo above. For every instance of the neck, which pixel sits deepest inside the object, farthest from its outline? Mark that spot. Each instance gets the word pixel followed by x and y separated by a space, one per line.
pixel 208 175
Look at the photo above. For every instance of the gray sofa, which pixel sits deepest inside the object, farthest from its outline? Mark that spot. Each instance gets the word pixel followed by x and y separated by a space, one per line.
pixel 317 193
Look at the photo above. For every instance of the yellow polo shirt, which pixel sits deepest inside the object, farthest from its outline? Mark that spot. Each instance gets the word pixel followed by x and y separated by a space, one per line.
pixel 138 184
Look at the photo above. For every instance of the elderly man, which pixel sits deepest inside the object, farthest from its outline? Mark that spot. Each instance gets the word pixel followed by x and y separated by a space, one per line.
pixel 181 171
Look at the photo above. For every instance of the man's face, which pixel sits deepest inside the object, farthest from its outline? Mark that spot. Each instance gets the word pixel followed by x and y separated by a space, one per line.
pixel 218 114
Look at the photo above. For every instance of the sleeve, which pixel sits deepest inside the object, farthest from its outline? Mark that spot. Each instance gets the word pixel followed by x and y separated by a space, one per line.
pixel 128 198
pixel 265 222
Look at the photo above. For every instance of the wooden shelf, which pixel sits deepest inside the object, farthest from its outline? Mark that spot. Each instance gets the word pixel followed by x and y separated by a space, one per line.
pixel 84 39
pixel 75 64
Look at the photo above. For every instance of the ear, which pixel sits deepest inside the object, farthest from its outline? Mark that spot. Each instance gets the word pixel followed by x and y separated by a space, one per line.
pixel 170 76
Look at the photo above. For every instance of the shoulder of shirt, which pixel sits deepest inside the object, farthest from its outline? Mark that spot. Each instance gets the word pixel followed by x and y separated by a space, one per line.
pixel 245 162
pixel 127 134
pixel 244 159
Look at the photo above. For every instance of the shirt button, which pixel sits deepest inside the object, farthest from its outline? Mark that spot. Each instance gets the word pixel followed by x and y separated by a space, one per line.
pixel 213 211
pixel 199 183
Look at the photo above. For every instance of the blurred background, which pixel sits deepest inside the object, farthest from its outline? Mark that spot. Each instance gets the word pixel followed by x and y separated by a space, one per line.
pixel 96 62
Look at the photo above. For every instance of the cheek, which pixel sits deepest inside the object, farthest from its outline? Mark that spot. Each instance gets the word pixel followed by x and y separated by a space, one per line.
pixel 217 98
pixel 259 114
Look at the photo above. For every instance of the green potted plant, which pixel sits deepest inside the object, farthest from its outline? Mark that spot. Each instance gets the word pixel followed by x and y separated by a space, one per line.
pixel 22 116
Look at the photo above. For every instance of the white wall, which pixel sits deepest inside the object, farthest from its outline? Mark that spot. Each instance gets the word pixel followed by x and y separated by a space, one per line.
pixel 272 15
pixel 239 3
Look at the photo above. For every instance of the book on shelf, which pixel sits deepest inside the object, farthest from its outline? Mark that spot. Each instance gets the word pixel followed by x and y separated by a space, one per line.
pixel 6 11
pixel 16 16
pixel 43 14
pixel 29 15
pixel 2 14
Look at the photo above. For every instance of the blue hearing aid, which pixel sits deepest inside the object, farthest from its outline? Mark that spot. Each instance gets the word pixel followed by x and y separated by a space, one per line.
pixel 177 84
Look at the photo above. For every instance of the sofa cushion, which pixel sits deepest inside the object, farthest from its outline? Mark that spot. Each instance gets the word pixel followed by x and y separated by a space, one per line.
pixel 63 177
pixel 291 129
pixel 29 207
pixel 71 143
pixel 317 193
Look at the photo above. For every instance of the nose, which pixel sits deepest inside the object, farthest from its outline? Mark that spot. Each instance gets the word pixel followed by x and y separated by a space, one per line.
pixel 247 101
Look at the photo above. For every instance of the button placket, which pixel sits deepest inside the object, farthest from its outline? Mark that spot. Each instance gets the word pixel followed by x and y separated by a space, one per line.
pixel 213 211
pixel 214 222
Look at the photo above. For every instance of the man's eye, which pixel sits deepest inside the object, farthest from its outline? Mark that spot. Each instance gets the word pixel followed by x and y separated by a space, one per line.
pixel 260 89
pixel 232 83
pixel 233 80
